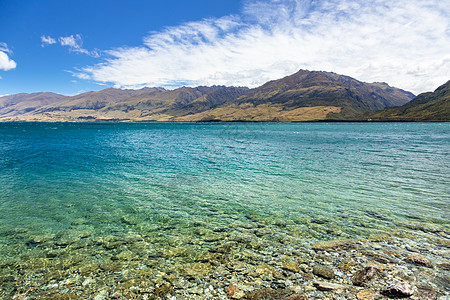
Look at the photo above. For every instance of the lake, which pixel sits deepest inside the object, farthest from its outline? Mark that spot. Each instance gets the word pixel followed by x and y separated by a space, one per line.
pixel 116 202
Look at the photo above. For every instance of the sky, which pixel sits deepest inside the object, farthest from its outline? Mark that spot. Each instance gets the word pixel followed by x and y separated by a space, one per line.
pixel 70 47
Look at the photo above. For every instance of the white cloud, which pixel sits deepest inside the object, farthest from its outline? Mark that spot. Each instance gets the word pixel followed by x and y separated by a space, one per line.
pixel 75 43
pixel 47 40
pixel 405 43
pixel 6 63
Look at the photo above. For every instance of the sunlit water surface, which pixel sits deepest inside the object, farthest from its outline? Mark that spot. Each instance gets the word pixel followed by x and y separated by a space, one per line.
pixel 185 188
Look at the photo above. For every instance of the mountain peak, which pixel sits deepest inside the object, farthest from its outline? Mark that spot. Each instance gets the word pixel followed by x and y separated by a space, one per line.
pixel 303 96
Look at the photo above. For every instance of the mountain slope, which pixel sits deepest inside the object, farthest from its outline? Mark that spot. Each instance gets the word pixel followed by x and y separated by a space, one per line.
pixel 432 106
pixel 22 103
pixel 303 96
pixel 292 98
pixel 147 104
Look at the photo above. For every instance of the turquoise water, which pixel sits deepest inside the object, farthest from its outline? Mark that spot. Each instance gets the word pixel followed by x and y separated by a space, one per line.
pixel 185 188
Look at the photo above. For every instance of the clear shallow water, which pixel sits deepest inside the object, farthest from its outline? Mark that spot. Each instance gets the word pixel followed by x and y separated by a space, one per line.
pixel 185 188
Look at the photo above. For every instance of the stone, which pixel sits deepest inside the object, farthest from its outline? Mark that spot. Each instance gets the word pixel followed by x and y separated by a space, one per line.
pixel 126 255
pixel 50 287
pixel 296 297
pixel 231 290
pixel 101 296
pixel 238 294
pixel 264 269
pixel 364 275
pixel 88 269
pixel 326 286
pixel 224 248
pixel 292 266
pixel 335 245
pixel 163 290
pixel 87 282
pixel 198 269
pixel 268 293
pixel 444 266
pixel 367 294
pixel 111 266
pixel 196 290
pixel 425 293
pixel 323 272
pixel 399 290
pixel 66 296
pixel 419 259
pixel 347 265
pixel 116 295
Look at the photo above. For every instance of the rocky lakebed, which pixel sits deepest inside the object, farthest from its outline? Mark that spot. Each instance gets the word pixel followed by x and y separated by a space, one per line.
pixel 242 261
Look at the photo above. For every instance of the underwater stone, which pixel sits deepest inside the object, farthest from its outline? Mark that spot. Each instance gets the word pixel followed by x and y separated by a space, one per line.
pixel 162 290
pixel 335 245
pixel 425 293
pixel 323 271
pixel 101 296
pixel 296 297
pixel 129 220
pixel 419 259
pixel 268 293
pixel 88 269
pixel 198 269
pixel 368 294
pixel 292 266
pixel 399 290
pixel 326 286
pixel 111 266
pixel 363 276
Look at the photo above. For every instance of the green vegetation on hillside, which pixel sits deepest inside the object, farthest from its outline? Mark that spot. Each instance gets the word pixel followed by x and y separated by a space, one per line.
pixel 433 106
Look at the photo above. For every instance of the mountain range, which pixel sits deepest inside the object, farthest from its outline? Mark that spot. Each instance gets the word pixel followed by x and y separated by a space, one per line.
pixel 431 106
pixel 303 96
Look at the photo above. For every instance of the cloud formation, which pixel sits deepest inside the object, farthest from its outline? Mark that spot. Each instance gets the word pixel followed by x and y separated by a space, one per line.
pixel 6 63
pixel 47 40
pixel 405 43
pixel 74 42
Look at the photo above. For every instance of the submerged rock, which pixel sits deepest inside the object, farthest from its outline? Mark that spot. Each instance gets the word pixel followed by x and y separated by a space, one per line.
pixel 399 290
pixel 368 294
pixel 364 275
pixel 419 259
pixel 335 245
pixel 234 292
pixel 268 293
pixel 323 272
pixel 198 269
pixel 425 293
pixel 292 266
pixel 296 297
pixel 327 286
pixel 163 290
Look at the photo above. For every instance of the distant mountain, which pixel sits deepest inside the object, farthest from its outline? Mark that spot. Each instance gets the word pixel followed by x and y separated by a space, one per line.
pixel 303 96
pixel 19 104
pixel 306 96
pixel 147 104
pixel 431 106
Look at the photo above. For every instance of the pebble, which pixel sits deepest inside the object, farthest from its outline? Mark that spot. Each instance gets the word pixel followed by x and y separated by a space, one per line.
pixel 101 296
pixel 292 266
pixel 400 289
pixel 364 275
pixel 419 259
pixel 323 272
pixel 367 294
pixel 327 286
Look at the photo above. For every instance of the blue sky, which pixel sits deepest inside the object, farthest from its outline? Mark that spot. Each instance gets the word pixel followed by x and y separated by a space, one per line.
pixel 70 47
